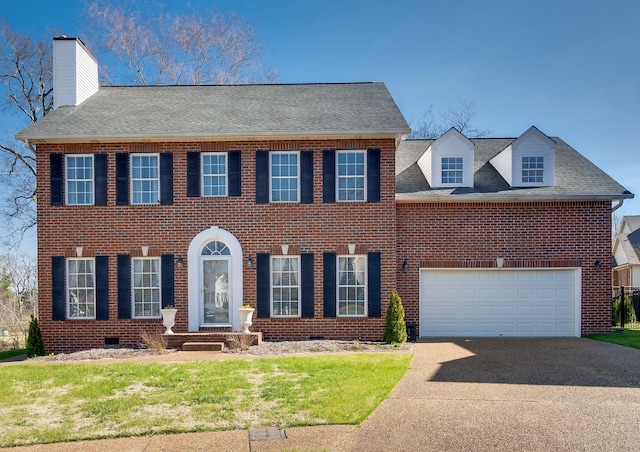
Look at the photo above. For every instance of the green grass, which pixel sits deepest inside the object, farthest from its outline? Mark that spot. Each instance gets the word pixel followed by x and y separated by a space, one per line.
pixel 12 353
pixel 629 338
pixel 71 401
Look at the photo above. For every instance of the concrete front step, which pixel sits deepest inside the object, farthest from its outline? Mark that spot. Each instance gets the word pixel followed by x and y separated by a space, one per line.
pixel 230 339
pixel 203 346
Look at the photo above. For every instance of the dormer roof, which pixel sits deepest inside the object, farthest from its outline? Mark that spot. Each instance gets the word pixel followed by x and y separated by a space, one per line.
pixel 448 161
pixel 529 161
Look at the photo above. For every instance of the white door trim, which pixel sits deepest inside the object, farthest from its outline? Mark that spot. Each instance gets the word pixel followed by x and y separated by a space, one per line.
pixel 193 268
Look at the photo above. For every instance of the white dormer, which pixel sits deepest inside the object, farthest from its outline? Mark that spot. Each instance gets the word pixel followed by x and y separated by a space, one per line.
pixel 529 161
pixel 448 162
pixel 75 72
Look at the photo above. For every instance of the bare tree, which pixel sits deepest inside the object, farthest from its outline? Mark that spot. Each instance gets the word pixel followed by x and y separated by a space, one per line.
pixel 432 125
pixel 18 295
pixel 26 95
pixel 189 49
pixel 616 224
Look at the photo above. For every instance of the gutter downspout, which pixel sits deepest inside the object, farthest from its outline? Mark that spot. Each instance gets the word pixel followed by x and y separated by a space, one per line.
pixel 616 207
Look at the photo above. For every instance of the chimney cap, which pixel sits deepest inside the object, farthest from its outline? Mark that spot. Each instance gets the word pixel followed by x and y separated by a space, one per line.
pixel 67 38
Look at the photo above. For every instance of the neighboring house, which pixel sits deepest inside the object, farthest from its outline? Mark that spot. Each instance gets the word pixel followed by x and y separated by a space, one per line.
pixel 626 253
pixel 306 202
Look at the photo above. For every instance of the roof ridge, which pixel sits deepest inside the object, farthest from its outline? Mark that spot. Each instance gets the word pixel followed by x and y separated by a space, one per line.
pixel 244 85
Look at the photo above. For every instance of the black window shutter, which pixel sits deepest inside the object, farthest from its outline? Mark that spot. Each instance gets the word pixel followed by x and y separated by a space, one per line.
pixel 373 175
pixel 328 176
pixel 263 285
pixel 58 295
pixel 235 173
pixel 55 178
pixel 102 288
pixel 166 178
pixel 167 284
pixel 329 284
pixel 124 286
pixel 262 177
pixel 307 295
pixel 122 179
pixel 193 174
pixel 306 177
pixel 100 170
pixel 374 275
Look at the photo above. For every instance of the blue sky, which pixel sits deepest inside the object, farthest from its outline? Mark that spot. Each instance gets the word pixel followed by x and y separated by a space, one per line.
pixel 570 67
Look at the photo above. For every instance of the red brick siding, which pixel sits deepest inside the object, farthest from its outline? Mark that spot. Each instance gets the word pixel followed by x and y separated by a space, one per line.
pixel 531 234
pixel 311 228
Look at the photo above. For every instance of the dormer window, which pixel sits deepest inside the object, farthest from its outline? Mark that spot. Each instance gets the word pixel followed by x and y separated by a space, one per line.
pixel 528 161
pixel 448 161
pixel 452 170
pixel 532 170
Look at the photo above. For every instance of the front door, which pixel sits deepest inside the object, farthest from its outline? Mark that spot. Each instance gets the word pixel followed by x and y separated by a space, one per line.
pixel 215 280
pixel 215 285
pixel 215 291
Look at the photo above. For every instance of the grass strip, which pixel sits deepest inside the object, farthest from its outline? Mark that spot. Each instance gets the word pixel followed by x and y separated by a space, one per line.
pixel 628 338
pixel 11 353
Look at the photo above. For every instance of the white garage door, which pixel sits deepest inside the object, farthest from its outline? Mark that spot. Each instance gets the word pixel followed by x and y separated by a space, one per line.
pixel 499 303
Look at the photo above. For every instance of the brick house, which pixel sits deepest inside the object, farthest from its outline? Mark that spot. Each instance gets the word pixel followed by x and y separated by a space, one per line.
pixel 306 202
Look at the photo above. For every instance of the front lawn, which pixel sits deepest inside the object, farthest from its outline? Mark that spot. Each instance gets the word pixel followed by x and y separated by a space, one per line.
pixel 71 401
pixel 629 338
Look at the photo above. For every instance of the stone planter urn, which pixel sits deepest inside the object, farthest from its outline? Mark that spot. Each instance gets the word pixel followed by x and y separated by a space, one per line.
pixel 168 318
pixel 246 315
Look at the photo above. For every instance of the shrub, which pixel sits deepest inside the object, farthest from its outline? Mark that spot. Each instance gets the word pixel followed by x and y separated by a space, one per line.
pixel 629 315
pixel 395 330
pixel 154 341
pixel 35 341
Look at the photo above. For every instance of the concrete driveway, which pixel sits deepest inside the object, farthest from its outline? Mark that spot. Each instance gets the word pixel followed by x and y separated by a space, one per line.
pixel 510 394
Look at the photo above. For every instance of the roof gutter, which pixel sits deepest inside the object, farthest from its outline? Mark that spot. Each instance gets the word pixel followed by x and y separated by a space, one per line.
pixel 222 136
pixel 408 199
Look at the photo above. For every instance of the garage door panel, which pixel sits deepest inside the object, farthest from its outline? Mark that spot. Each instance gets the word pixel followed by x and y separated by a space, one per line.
pixel 494 303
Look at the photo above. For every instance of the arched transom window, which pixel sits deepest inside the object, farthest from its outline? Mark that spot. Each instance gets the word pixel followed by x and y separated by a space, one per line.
pixel 215 249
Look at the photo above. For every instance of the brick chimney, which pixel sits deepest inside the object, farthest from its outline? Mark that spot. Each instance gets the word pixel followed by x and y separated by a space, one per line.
pixel 75 72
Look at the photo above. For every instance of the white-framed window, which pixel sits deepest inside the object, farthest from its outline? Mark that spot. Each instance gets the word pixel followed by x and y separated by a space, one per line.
pixel 284 169
pixel 452 170
pixel 79 178
pixel 352 285
pixel 532 170
pixel 351 175
pixel 81 288
pixel 214 174
pixel 285 286
pixel 145 178
pixel 146 287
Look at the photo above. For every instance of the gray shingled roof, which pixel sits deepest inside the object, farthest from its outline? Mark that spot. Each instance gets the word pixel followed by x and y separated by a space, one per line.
pixel 630 242
pixel 575 176
pixel 175 112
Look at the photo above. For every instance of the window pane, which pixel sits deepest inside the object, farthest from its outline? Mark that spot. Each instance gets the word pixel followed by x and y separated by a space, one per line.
pixel 144 179
pixel 532 169
pixel 284 177
pixel 79 179
pixel 351 285
pixel 284 286
pixel 146 287
pixel 351 175
pixel 81 288
pixel 214 174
